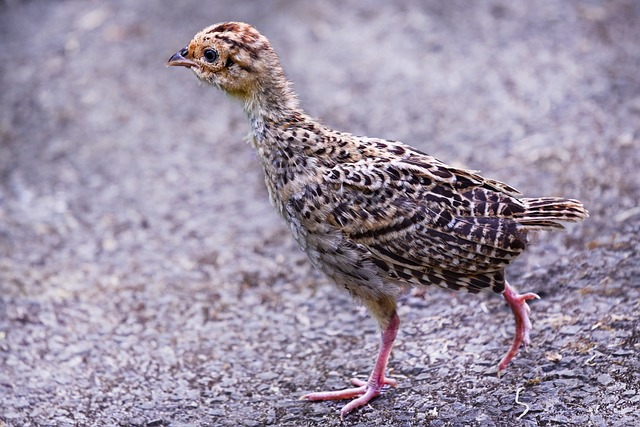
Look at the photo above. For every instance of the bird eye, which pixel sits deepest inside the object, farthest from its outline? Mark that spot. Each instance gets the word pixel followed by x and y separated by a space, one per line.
pixel 210 55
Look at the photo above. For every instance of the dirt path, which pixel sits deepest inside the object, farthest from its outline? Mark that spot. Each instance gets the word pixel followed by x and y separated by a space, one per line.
pixel 145 280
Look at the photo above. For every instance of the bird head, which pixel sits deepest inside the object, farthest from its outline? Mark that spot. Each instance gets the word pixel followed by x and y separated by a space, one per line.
pixel 232 56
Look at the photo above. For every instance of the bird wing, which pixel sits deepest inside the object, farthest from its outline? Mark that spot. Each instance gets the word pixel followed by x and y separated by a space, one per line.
pixel 423 221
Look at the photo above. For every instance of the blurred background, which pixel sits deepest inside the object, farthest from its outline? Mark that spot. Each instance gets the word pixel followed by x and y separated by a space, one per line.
pixel 146 280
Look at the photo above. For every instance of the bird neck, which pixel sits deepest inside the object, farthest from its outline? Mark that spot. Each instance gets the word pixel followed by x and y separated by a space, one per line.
pixel 271 103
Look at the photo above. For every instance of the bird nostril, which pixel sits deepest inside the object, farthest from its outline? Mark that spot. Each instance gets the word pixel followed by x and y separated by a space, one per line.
pixel 184 52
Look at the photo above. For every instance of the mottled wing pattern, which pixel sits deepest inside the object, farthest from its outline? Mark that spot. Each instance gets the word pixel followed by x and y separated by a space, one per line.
pixel 426 234
pixel 425 222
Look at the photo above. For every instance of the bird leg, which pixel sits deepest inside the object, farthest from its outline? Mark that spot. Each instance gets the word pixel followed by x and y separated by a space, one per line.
pixel 520 309
pixel 371 388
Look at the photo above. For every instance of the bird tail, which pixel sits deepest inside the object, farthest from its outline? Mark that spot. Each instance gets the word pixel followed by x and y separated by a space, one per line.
pixel 547 212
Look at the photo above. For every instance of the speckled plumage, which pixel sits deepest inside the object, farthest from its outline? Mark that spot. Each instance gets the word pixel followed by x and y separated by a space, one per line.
pixel 374 215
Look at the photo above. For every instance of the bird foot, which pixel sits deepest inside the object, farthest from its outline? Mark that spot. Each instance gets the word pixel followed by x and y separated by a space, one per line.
pixel 364 391
pixel 518 304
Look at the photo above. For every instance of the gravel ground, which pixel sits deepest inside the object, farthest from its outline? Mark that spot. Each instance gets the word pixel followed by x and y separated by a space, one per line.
pixel 146 281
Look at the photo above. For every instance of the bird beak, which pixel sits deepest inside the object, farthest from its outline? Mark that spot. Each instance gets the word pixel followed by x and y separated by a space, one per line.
pixel 178 60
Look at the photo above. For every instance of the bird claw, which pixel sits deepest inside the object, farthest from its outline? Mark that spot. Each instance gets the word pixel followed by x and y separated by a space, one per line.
pixel 363 393
pixel 518 304
pixel 366 390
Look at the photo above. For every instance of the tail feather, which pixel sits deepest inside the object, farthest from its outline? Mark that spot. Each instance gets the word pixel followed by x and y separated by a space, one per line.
pixel 547 212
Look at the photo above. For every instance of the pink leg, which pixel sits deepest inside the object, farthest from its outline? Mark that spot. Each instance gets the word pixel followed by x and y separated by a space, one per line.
pixel 520 309
pixel 370 389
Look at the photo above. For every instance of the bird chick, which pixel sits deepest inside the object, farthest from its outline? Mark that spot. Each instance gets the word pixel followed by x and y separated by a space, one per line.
pixel 375 215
